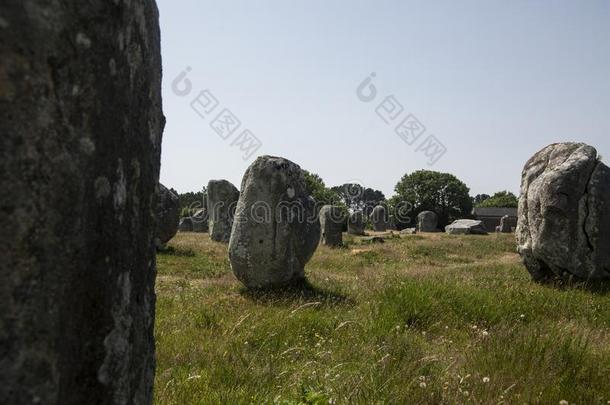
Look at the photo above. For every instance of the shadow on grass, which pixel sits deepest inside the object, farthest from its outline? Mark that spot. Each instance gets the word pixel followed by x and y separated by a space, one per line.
pixel 598 288
pixel 298 291
pixel 172 251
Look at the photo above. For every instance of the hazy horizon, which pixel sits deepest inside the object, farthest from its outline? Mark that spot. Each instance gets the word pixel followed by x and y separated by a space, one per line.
pixel 493 82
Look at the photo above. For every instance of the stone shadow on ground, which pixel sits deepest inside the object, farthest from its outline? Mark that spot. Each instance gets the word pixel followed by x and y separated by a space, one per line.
pixel 299 291
pixel 598 288
pixel 176 251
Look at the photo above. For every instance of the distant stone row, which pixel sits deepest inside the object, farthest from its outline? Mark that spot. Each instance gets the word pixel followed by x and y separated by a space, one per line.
pixel 216 217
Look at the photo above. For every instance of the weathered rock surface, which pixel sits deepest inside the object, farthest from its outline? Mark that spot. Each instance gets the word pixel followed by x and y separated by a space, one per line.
pixel 222 199
pixel 276 228
pixel 331 225
pixel 427 221
pixel 368 240
pixel 504 226
pixel 563 228
pixel 379 219
pixel 200 220
pixel 408 231
pixel 168 213
pixel 80 125
pixel 186 224
pixel 355 223
pixel 466 227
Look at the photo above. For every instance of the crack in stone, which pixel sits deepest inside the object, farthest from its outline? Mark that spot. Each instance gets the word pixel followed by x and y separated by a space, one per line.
pixel 586 207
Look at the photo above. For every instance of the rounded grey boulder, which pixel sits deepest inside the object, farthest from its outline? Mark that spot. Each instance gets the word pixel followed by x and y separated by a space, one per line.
pixel 379 218
pixel 222 198
pixel 276 228
pixel 355 223
pixel 408 231
pixel 563 228
pixel 185 225
pixel 168 213
pixel 331 225
pixel 200 220
pixel 466 227
pixel 427 221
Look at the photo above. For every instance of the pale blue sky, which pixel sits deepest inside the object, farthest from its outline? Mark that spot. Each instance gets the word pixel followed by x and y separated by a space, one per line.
pixel 494 81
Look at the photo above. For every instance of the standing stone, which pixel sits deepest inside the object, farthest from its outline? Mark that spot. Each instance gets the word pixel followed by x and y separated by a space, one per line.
pixel 427 221
pixel 168 213
pixel 563 228
pixel 276 228
pixel 331 225
pixel 222 198
pixel 355 223
pixel 81 125
pixel 200 220
pixel 379 219
pixel 504 226
pixel 186 224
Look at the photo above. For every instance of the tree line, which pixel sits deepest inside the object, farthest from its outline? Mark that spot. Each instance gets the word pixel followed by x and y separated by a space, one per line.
pixel 422 190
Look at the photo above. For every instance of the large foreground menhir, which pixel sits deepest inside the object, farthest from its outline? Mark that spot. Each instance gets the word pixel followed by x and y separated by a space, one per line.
pixel 81 123
pixel 276 229
pixel 564 214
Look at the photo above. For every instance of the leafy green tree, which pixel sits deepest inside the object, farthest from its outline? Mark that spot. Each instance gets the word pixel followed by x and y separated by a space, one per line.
pixel 191 201
pixel 501 199
pixel 401 211
pixel 442 193
pixel 479 198
pixel 318 190
pixel 359 198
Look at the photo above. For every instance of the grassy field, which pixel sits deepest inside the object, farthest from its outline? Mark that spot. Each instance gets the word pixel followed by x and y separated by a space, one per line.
pixel 422 319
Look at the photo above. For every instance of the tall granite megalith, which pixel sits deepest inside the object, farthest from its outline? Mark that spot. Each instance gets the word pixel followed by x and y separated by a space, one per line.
pixel 168 216
pixel 331 225
pixel 355 223
pixel 222 199
pixel 379 219
pixel 276 229
pixel 427 221
pixel 80 125
pixel 563 229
